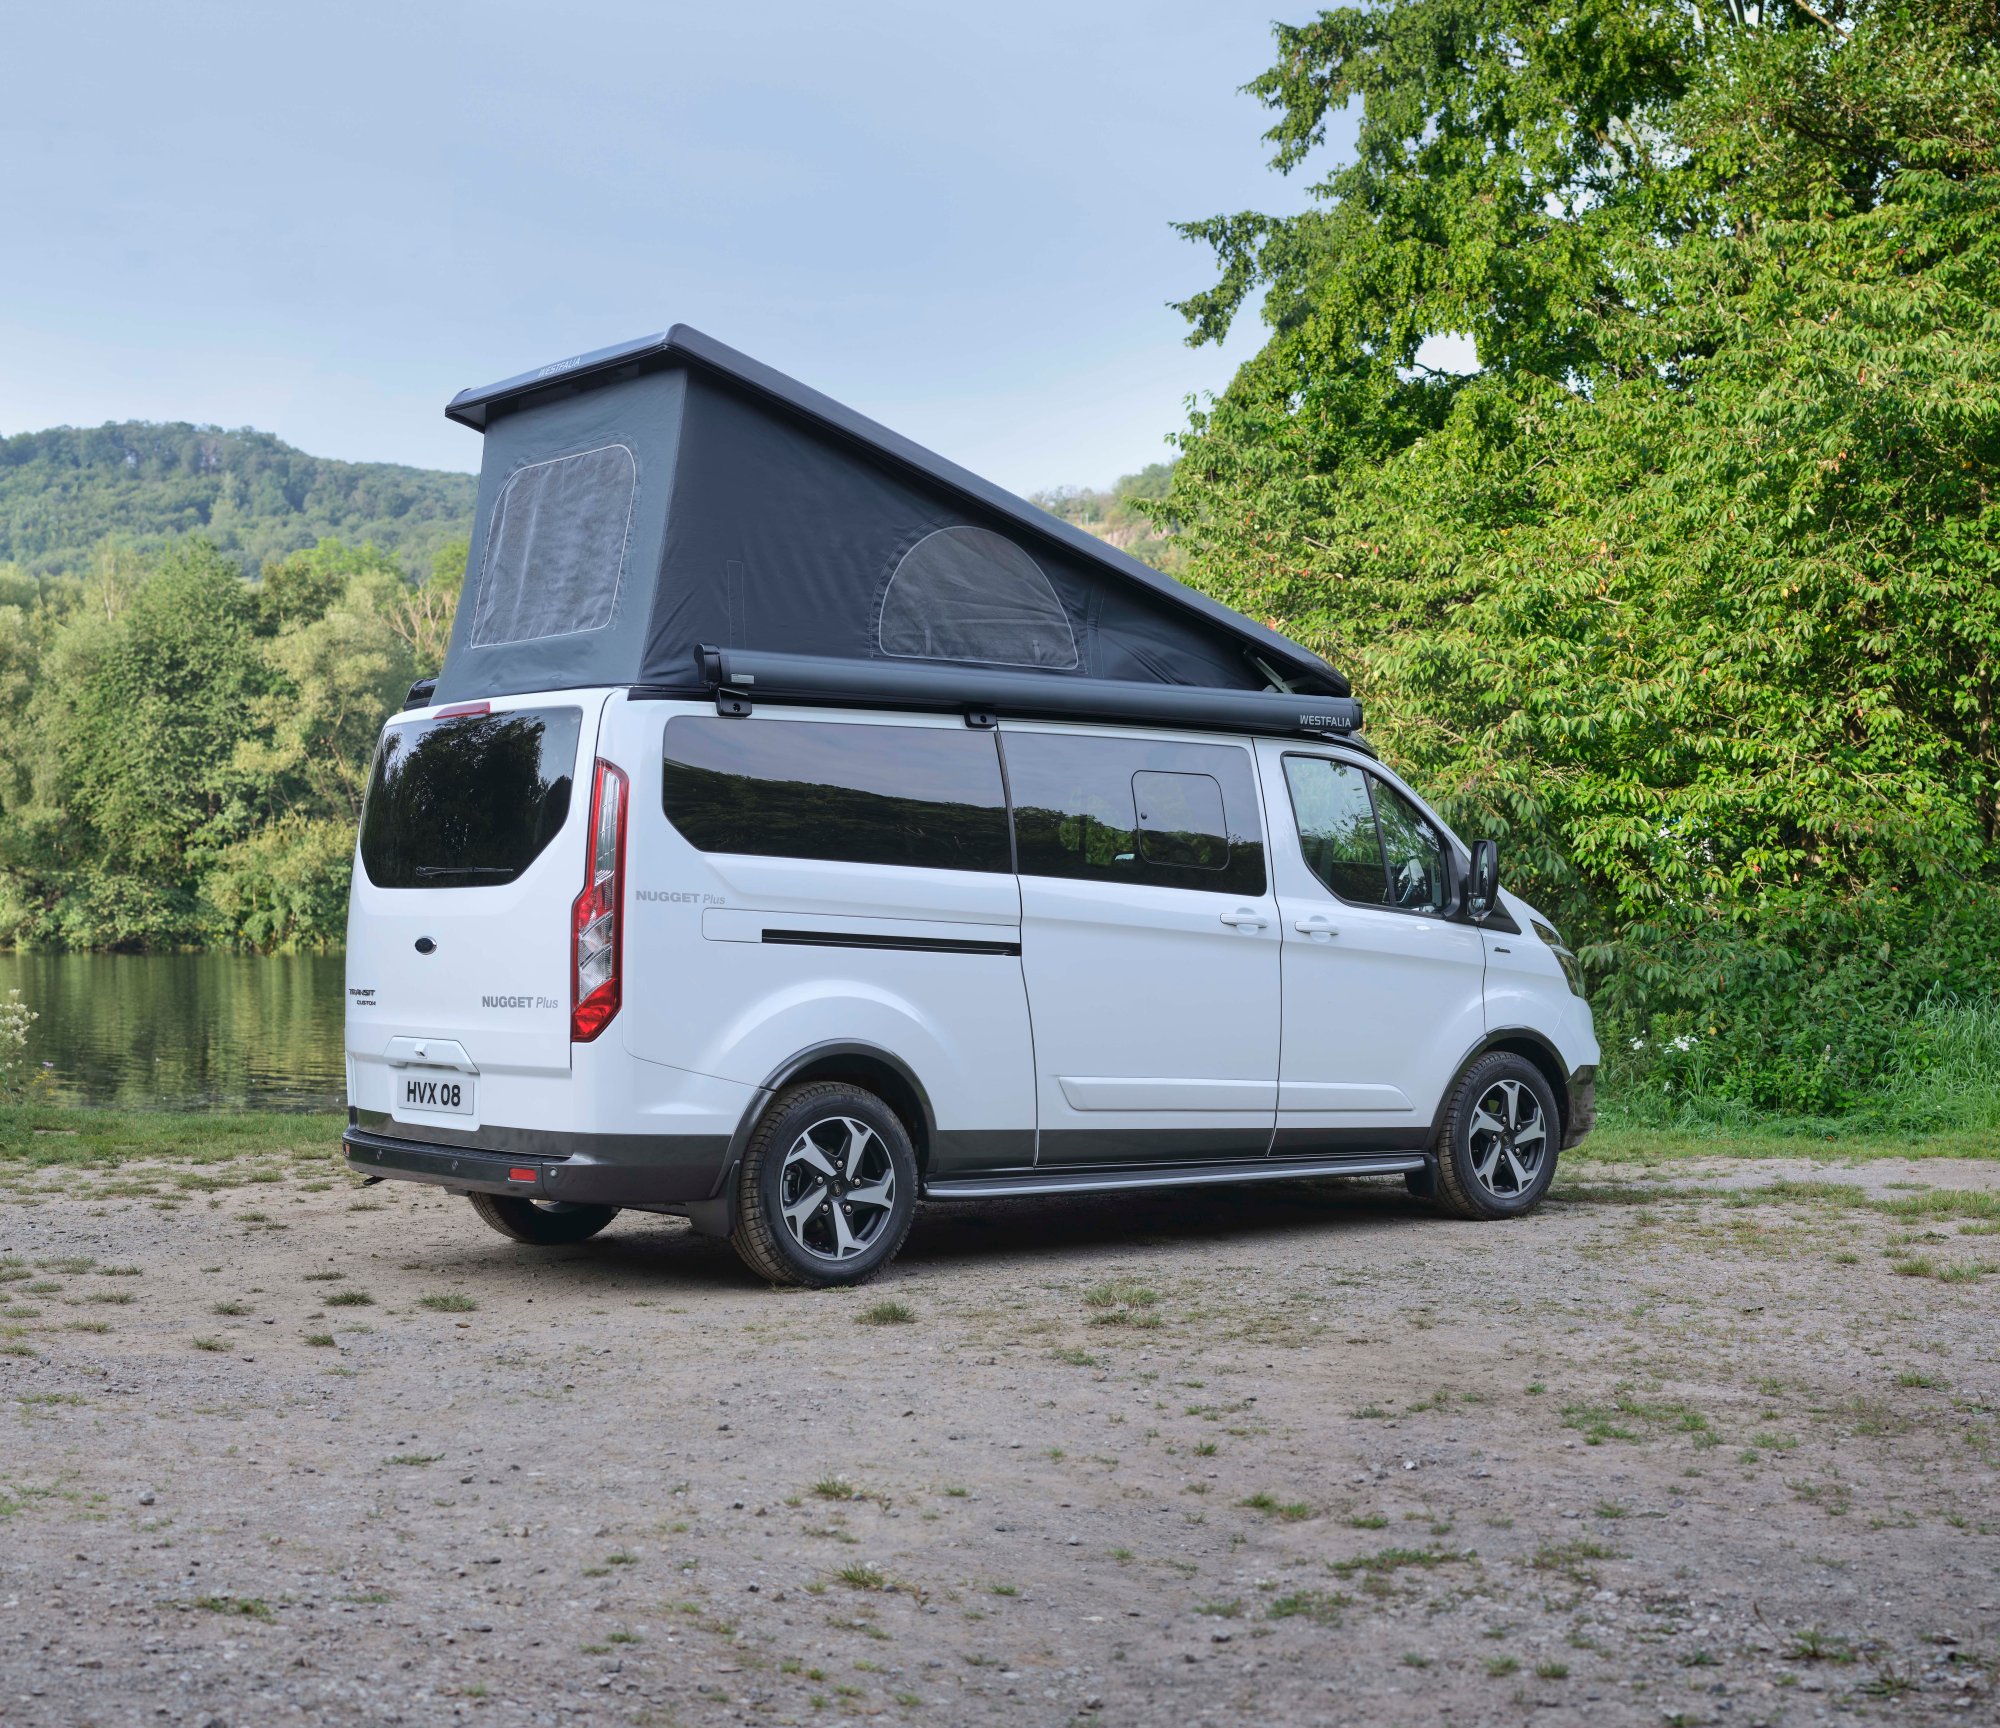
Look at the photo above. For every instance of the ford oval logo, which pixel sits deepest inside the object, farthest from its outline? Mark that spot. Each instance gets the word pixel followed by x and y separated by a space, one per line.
pixel 426 946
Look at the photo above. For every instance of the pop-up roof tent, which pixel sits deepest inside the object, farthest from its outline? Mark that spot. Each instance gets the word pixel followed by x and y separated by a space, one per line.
pixel 647 501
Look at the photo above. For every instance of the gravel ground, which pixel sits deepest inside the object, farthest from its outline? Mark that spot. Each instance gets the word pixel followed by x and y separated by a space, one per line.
pixel 1685 1447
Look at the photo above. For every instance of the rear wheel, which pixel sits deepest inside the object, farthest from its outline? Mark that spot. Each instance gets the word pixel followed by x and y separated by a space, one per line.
pixel 547 1223
pixel 828 1187
pixel 1496 1155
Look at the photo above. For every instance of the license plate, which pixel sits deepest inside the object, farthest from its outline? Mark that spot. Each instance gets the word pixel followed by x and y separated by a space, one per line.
pixel 446 1094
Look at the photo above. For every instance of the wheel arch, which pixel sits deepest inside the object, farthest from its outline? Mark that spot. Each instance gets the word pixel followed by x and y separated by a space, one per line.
pixel 1522 1041
pixel 868 1066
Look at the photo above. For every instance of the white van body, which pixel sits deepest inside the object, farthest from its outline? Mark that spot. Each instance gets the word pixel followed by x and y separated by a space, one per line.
pixel 1037 1023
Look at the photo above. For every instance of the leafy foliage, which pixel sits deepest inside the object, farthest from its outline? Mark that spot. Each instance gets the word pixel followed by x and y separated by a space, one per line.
pixel 183 753
pixel 1692 589
pixel 252 496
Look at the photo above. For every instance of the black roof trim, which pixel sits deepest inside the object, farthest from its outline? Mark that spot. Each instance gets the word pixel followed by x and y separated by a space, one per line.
pixel 478 407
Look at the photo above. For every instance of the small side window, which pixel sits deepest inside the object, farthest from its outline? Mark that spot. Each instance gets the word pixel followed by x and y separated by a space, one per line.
pixel 1181 823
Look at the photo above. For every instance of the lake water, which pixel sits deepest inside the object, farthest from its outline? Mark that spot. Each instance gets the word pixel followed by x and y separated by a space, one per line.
pixel 186 1031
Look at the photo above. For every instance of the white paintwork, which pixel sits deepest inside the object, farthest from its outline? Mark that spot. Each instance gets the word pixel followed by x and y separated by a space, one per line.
pixel 1128 1008
pixel 1380 1005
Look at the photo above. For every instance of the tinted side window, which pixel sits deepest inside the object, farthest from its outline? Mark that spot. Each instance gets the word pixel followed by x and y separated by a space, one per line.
pixel 1078 804
pixel 853 794
pixel 1413 850
pixel 469 801
pixel 1367 842
pixel 1337 829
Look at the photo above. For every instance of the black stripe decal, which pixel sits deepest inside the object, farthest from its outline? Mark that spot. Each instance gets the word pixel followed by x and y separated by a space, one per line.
pixel 908 944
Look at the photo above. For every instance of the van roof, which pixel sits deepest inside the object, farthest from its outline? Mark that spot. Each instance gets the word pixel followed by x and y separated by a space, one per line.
pixel 486 406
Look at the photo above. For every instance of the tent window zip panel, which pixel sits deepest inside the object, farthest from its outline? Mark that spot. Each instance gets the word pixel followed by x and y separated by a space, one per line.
pixel 968 593
pixel 555 551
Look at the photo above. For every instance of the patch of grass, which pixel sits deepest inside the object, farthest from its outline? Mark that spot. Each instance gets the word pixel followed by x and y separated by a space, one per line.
pixel 888 1313
pixel 862 1576
pixel 1501 1666
pixel 443 1302
pixel 1076 1358
pixel 1320 1607
pixel 1230 1610
pixel 214 1344
pixel 112 1298
pixel 324 1277
pixel 350 1299
pixel 1928 1382
pixel 414 1459
pixel 1389 1560
pixel 320 1340
pixel 834 1488
pixel 230 1308
pixel 1816 1644
pixel 1571 1559
pixel 1123 1302
pixel 1289 1511
pixel 249 1607
pixel 1551 1670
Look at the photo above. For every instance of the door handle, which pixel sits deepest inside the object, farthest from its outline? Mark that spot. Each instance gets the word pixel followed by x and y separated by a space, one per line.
pixel 1244 918
pixel 1321 929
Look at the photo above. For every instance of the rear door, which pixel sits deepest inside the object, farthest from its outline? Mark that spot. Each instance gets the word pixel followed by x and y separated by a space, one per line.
pixel 470 853
pixel 1383 983
pixel 1150 944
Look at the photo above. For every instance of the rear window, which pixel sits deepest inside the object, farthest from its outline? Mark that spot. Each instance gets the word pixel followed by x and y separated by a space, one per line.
pixel 469 801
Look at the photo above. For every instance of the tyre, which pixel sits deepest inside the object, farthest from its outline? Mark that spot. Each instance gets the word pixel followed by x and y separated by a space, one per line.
pixel 546 1223
pixel 828 1187
pixel 1496 1152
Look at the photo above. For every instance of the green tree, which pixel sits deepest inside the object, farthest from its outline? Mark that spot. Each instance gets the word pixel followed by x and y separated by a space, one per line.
pixel 1692 588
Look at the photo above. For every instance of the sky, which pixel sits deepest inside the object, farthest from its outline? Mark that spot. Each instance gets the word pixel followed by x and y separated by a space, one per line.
pixel 324 219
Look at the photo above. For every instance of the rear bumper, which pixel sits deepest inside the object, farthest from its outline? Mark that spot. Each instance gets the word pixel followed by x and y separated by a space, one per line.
pixel 1582 1106
pixel 653 1170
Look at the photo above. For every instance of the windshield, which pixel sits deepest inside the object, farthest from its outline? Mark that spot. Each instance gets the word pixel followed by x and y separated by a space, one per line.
pixel 470 800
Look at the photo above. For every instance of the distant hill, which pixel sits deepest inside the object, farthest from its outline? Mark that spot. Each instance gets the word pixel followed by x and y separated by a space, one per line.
pixel 1110 515
pixel 253 495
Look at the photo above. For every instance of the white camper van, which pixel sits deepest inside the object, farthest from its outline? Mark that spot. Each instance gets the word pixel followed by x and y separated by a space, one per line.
pixel 801 828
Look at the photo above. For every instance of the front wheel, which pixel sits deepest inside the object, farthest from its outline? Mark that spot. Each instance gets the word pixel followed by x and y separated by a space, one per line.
pixel 828 1187
pixel 1496 1153
pixel 546 1223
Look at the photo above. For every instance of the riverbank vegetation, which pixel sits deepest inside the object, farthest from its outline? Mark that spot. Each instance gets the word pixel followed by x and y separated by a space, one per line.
pixel 183 753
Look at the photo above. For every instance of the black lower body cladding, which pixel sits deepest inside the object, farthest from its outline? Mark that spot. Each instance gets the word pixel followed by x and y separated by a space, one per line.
pixel 593 1170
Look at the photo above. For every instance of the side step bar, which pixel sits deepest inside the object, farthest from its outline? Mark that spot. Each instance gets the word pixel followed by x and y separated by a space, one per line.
pixel 1159 1176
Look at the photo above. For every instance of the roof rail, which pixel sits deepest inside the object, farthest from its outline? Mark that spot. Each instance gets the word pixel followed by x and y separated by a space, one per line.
pixel 738 677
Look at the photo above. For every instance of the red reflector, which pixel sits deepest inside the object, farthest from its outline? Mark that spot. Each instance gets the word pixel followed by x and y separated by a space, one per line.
pixel 458 708
pixel 520 1175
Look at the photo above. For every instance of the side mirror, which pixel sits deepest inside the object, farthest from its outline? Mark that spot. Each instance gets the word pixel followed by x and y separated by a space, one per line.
pixel 1482 887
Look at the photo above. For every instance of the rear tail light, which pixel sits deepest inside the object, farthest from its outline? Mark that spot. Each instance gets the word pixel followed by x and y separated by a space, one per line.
pixel 597 939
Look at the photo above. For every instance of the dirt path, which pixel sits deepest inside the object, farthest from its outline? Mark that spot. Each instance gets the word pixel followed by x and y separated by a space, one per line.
pixel 1311 1456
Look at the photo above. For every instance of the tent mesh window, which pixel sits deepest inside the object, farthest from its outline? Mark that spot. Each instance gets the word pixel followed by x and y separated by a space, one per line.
pixel 971 594
pixel 555 552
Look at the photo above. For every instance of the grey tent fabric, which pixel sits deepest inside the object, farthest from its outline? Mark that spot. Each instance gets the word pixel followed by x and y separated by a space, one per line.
pixel 645 500
pixel 971 594
pixel 555 549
